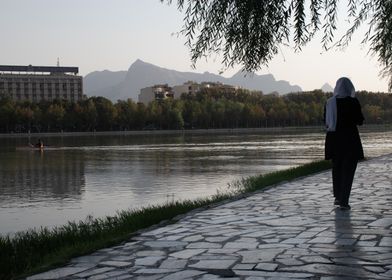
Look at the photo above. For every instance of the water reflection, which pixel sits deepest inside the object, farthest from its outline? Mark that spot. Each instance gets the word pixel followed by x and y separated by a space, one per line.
pixel 27 176
pixel 344 230
pixel 98 175
pixel 346 247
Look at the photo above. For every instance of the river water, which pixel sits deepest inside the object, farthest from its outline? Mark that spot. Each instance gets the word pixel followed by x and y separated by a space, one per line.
pixel 98 175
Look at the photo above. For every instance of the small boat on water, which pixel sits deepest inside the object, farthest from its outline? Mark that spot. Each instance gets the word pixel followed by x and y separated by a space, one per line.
pixel 30 147
pixel 36 147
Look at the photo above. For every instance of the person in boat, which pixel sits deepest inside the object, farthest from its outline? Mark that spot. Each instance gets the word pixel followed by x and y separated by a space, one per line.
pixel 40 144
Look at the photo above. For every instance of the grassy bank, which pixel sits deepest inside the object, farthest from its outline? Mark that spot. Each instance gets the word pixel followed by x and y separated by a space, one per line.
pixel 36 250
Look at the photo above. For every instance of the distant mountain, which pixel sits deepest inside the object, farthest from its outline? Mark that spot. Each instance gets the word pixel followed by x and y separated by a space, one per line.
pixel 327 88
pixel 127 84
pixel 103 83
pixel 265 83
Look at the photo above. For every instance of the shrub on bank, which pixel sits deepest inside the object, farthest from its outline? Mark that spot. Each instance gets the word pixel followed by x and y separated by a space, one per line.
pixel 32 251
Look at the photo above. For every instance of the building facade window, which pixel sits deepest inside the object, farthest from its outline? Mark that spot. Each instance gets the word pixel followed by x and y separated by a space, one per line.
pixel 31 83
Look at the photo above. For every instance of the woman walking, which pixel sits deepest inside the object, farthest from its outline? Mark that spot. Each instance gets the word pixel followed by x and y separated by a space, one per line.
pixel 342 143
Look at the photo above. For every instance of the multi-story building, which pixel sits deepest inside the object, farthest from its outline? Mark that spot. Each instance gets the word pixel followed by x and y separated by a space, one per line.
pixel 186 88
pixel 160 92
pixel 36 83
pixel 157 92
pixel 219 86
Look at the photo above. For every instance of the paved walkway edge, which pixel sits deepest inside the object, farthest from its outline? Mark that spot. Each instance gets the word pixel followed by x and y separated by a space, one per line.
pixel 288 231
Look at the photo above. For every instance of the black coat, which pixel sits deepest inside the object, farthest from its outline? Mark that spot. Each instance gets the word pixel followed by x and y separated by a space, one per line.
pixel 345 141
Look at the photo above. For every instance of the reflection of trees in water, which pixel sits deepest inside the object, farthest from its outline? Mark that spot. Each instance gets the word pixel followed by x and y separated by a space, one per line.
pixel 160 175
pixel 173 162
pixel 35 175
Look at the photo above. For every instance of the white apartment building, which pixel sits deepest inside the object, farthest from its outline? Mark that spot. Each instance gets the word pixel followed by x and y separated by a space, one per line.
pixel 36 83
pixel 220 86
pixel 186 88
pixel 160 92
pixel 156 92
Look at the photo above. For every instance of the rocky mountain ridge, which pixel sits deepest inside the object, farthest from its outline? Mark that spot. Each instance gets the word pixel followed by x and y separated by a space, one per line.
pixel 127 84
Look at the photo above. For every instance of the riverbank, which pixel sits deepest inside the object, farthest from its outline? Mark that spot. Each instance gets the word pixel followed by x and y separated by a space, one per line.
pixel 160 132
pixel 290 231
pixel 287 129
pixel 37 250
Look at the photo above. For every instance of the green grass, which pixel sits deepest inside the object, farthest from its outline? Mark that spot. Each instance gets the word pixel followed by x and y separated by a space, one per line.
pixel 255 183
pixel 33 251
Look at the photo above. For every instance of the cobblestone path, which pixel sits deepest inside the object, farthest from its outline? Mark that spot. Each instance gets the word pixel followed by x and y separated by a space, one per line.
pixel 291 231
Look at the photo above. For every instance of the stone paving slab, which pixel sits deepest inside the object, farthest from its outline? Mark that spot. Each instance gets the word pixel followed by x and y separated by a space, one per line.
pixel 291 231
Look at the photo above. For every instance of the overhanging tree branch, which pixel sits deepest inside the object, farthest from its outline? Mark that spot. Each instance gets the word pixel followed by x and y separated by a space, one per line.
pixel 250 32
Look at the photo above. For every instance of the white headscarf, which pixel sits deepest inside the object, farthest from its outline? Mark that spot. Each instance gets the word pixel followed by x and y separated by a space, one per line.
pixel 344 88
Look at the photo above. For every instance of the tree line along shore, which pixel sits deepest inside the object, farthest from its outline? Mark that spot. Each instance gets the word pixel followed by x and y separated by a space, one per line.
pixel 209 109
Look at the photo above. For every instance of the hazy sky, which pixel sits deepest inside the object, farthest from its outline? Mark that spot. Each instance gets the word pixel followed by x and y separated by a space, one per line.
pixel 112 34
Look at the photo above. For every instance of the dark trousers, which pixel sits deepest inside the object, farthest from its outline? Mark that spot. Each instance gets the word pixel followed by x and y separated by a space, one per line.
pixel 343 170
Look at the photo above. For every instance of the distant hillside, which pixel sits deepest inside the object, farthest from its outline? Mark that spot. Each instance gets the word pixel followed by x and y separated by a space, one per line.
pixel 103 83
pixel 127 84
pixel 327 88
